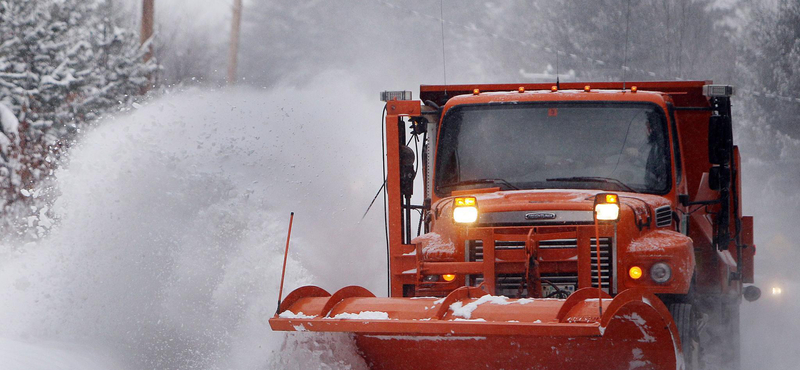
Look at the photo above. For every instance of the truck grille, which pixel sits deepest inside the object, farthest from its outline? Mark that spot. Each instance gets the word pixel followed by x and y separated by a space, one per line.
pixel 605 263
pixel 475 247
pixel 663 216
pixel 509 284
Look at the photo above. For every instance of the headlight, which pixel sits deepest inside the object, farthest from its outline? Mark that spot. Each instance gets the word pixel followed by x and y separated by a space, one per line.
pixel 607 212
pixel 606 207
pixel 465 210
pixel 660 272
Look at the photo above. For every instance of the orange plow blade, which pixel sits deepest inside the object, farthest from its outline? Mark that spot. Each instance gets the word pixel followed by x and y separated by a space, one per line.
pixel 470 329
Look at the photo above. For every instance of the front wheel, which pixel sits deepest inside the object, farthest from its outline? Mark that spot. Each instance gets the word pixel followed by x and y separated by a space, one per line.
pixel 717 333
pixel 685 319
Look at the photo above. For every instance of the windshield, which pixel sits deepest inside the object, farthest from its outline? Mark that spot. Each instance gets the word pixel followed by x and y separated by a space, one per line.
pixel 609 146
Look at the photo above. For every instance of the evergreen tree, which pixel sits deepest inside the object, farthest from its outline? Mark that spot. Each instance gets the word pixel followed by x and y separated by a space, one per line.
pixel 770 65
pixel 63 63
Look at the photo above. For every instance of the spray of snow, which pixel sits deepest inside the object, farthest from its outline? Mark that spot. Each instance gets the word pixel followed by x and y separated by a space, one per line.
pixel 172 221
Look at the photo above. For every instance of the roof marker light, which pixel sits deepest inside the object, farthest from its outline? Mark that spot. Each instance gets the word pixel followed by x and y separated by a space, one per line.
pixel 476 92
pixel 634 89
pixel 587 88
pixel 387 96
pixel 554 88
pixel 521 89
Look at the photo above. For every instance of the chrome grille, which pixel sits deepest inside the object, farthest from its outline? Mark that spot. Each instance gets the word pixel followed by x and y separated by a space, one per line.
pixel 663 216
pixel 605 262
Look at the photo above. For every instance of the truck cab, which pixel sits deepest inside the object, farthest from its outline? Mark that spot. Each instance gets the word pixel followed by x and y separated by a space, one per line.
pixel 514 175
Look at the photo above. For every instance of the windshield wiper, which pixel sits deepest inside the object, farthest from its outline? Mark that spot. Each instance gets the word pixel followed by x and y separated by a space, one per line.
pixel 595 179
pixel 482 181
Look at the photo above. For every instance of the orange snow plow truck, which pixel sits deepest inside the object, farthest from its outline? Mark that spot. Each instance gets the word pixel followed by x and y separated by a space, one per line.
pixel 581 225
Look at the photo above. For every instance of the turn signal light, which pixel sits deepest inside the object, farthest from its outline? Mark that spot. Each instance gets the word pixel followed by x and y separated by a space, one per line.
pixel 465 201
pixel 449 277
pixel 635 272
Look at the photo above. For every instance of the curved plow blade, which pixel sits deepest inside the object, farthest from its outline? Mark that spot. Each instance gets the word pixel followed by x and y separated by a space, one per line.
pixel 470 329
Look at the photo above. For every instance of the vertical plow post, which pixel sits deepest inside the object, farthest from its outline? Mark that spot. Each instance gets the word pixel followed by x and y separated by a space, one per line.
pixel 394 110
pixel 285 255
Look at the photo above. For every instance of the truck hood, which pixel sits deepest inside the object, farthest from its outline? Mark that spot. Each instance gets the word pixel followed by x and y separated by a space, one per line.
pixel 549 205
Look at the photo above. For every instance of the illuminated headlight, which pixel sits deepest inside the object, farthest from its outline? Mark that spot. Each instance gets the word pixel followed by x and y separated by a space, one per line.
pixel 465 215
pixel 660 272
pixel 465 210
pixel 607 212
pixel 606 207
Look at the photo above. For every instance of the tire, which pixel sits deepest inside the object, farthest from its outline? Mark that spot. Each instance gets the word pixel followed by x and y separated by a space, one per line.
pixel 683 315
pixel 732 324
pixel 718 333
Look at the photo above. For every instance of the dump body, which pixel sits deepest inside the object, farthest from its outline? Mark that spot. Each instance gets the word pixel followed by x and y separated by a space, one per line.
pixel 515 267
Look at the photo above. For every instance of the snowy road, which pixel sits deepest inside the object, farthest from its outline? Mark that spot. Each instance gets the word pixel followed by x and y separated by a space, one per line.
pixel 18 355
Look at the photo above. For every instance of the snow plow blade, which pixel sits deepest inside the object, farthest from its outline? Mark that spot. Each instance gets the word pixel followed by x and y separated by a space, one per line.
pixel 470 329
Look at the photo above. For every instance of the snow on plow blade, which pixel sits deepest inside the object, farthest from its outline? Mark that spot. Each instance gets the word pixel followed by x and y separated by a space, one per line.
pixel 470 329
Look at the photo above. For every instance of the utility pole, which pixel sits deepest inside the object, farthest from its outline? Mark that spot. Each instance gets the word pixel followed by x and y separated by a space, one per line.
pixel 147 26
pixel 233 51
pixel 145 35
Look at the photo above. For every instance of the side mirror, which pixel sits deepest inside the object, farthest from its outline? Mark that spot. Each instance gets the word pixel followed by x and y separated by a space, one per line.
pixel 718 177
pixel 720 140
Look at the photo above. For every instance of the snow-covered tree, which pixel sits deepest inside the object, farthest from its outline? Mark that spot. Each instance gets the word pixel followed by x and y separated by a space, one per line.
pixel 656 40
pixel 62 63
pixel 770 65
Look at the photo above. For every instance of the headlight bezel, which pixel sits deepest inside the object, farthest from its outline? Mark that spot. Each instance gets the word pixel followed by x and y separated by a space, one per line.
pixel 660 272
